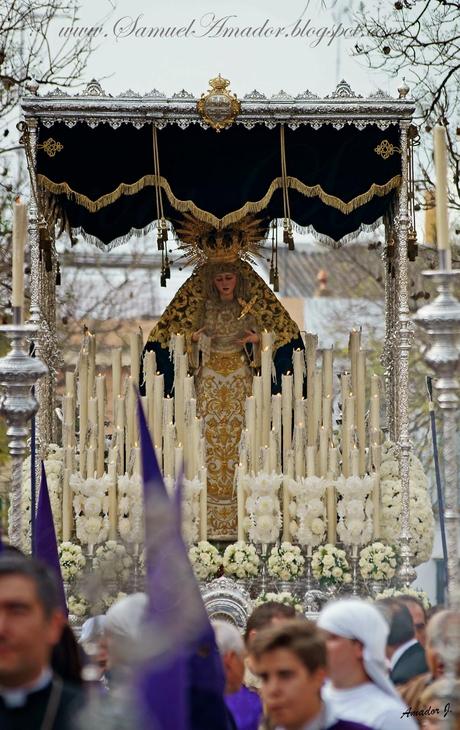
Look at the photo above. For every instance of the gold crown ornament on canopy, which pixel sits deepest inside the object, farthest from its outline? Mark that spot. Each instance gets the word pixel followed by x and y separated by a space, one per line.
pixel 202 243
pixel 218 107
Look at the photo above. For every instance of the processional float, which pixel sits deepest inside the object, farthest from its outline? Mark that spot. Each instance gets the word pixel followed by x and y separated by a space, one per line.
pixel 104 167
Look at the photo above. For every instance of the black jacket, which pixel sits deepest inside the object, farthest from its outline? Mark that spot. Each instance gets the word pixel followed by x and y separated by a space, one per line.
pixel 31 715
pixel 409 665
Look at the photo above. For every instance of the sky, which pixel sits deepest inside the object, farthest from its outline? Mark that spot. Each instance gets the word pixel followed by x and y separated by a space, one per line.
pixel 263 44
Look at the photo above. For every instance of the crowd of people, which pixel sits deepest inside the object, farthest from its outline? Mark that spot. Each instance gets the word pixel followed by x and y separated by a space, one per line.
pixel 380 665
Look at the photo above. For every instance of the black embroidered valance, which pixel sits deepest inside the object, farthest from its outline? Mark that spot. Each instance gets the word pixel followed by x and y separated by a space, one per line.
pixel 103 178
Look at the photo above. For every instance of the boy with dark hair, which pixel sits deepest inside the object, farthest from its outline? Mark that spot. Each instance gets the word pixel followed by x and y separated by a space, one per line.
pixel 291 662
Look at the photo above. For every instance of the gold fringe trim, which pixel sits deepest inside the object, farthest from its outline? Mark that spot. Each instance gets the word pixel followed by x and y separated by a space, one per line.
pixel 188 206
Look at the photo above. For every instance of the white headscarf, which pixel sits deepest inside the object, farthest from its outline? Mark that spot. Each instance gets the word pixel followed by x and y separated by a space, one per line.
pixel 125 622
pixel 355 619
pixel 92 629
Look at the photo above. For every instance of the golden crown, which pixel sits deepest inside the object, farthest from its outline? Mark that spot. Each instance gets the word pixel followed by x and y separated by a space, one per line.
pixel 202 243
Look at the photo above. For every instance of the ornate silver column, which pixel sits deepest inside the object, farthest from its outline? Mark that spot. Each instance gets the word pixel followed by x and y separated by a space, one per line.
pixel 441 319
pixel 406 571
pixel 388 358
pixel 18 373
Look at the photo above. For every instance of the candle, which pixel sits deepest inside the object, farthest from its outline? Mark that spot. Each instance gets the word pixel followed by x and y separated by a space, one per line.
pixel 311 455
pixel 299 373
pixel 311 343
pixel 257 392
pixel 178 459
pixel 113 517
pixel 299 451
pixel 332 469
pixel 331 512
pixel 354 342
pixel 179 377
pixel 70 383
pixel 131 433
pixel 323 450
pixel 374 419
pixel 91 462
pixel 136 458
pixel 273 453
pixel 316 409
pixel 250 418
pixel 168 410
pixel 91 362
pixel 66 506
pixel 134 357
pixel 286 516
pixel 204 504
pixel 19 240
pixel 266 369
pixel 157 415
pixel 168 455
pixel 276 412
pixel 149 374
pixel 355 461
pixel 83 408
pixel 116 379
pixel 286 409
pixel 265 459
pixel 240 506
pixel 442 196
pixel 360 410
pixel 100 394
pixel 328 373
pixel 327 414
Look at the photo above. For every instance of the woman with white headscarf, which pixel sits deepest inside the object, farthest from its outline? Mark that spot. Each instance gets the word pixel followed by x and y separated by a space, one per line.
pixel 359 687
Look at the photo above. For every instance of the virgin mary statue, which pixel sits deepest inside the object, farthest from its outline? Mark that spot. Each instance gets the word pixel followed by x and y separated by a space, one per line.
pixel 221 310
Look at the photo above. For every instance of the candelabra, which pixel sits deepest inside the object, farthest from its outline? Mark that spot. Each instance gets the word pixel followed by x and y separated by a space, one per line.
pixel 18 373
pixel 441 319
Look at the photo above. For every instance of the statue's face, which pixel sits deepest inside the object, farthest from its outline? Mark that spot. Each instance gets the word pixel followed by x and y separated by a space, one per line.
pixel 225 284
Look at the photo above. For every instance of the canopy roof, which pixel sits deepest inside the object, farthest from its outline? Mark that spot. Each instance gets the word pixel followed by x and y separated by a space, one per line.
pixel 95 159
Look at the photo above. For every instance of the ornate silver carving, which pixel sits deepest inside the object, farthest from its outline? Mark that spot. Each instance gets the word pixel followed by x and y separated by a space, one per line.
pixel 94 89
pixel 306 96
pixel 18 373
pixel 406 572
pixel 255 95
pixel 282 96
pixel 441 319
pixel 224 599
pixel 183 94
pixel 403 90
pixel 344 90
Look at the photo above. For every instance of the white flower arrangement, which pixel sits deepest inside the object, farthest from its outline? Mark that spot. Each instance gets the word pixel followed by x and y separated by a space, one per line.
pixel 263 522
pixel 72 561
pixel 283 597
pixel 91 508
pixel 130 508
pixel 54 472
pixel 416 592
pixel 112 563
pixel 205 559
pixel 421 511
pixel 286 561
pixel 377 562
pixel 241 560
pixel 307 510
pixel 106 600
pixel 355 509
pixel 330 566
pixel 78 605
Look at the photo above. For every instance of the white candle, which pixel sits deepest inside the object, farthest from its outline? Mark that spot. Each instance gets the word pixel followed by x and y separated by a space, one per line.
pixel 204 504
pixel 286 516
pixel 354 342
pixel 332 469
pixel 311 455
pixel 91 462
pixel 250 418
pixel 374 418
pixel 168 411
pixel 442 195
pixel 323 450
pixel 328 373
pixel 91 363
pixel 92 419
pixel 240 506
pixel 314 414
pixel 331 512
pixel 327 414
pixel 136 457
pixel 299 373
pixel 168 455
pixel 116 379
pixel 360 409
pixel 355 461
pixel 299 451
pixel 131 432
pixel 100 394
pixel 66 506
pixel 113 516
pixel 266 363
pixel 258 396
pixel 158 399
pixel 134 357
pixel 273 453
pixel 178 459
pixel 286 399
pixel 83 408
pixel 276 412
pixel 19 240
pixel 179 377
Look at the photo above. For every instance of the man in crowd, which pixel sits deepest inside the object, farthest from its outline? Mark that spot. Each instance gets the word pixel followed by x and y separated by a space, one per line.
pixel 243 703
pixel 290 659
pixel 31 621
pixel 406 654
pixel 442 641
pixel 418 613
pixel 359 687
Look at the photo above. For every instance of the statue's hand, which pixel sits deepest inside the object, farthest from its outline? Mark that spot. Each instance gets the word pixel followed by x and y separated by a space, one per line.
pixel 248 337
pixel 196 335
